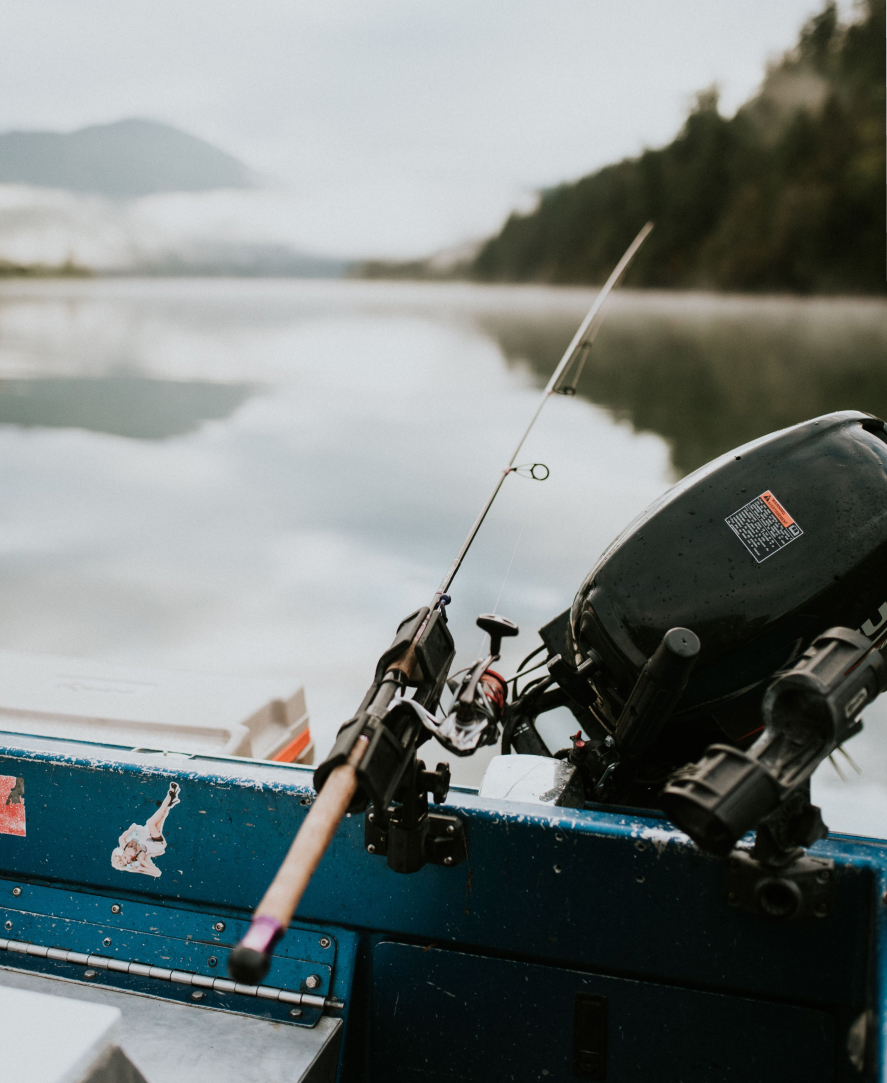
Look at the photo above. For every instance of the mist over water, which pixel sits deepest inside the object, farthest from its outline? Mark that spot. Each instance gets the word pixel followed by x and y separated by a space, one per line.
pixel 709 372
pixel 265 477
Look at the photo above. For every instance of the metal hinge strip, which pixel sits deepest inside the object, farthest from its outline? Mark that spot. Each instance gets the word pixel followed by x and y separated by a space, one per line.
pixel 160 973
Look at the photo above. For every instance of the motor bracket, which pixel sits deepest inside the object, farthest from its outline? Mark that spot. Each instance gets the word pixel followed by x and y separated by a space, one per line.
pixel 804 888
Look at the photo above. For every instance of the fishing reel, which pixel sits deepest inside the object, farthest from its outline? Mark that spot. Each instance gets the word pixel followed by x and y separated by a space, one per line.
pixel 473 719
pixel 391 780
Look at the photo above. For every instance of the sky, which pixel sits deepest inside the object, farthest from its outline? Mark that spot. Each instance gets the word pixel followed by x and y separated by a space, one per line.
pixel 388 128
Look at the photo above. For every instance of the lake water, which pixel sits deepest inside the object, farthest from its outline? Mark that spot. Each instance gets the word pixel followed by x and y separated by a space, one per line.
pixel 263 477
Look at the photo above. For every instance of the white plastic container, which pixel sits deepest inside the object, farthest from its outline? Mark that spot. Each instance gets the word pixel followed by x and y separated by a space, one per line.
pixel 76 698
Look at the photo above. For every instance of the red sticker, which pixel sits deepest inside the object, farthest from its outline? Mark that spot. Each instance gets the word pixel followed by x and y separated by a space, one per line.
pixel 778 510
pixel 12 805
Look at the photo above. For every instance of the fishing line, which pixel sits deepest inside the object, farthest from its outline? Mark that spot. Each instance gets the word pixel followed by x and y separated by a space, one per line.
pixel 508 569
pixel 505 580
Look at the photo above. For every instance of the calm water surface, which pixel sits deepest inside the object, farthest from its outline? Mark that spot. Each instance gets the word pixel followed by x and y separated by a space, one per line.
pixel 264 477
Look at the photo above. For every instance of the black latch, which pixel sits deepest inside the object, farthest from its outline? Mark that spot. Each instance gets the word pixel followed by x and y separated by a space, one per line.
pixel 590 1037
pixel 575 681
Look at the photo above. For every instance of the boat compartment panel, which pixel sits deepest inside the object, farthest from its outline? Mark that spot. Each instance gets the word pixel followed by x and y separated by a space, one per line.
pixel 443 1015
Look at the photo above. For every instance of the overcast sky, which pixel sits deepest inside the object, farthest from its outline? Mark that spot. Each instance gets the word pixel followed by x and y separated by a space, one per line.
pixel 391 127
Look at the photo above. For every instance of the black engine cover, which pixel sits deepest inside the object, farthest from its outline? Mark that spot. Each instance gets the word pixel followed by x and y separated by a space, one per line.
pixel 757 552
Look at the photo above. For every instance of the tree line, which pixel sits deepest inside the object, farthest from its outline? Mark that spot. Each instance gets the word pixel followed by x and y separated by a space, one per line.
pixel 786 195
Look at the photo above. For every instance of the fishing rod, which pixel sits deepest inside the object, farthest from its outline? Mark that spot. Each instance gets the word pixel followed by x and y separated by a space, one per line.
pixel 570 365
pixel 373 761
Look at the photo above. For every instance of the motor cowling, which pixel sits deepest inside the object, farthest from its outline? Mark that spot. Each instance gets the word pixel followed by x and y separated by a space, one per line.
pixel 757 553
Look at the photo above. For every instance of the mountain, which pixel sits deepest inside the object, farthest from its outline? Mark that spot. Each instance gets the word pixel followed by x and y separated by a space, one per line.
pixel 126 159
pixel 786 195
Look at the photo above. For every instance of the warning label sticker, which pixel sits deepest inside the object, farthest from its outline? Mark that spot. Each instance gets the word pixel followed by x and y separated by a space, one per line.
pixel 763 526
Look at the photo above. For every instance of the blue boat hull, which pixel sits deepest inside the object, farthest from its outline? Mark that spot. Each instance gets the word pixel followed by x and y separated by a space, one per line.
pixel 569 944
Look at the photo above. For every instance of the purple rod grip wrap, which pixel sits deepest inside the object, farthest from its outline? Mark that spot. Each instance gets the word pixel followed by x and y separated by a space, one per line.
pixel 263 934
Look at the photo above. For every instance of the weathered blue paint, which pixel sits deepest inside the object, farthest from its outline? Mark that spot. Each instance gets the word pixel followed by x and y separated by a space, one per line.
pixel 579 898
pixel 165 937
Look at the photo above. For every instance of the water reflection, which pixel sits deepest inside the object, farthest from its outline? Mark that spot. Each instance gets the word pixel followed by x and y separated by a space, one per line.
pixel 709 373
pixel 134 406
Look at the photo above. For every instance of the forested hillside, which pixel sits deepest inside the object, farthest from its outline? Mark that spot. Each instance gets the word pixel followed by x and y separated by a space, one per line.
pixel 786 195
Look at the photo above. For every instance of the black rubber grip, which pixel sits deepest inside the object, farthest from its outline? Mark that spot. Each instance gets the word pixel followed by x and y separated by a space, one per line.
pixel 247 965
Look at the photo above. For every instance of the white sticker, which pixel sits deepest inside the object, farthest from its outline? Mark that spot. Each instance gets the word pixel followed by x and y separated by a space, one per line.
pixel 141 843
pixel 763 526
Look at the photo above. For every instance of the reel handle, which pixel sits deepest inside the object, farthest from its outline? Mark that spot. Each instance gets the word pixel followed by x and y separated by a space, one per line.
pixel 497 628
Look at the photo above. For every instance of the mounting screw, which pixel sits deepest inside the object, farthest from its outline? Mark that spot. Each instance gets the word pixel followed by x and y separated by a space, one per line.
pixel 371 849
pixel 295 1012
pixel 198 994
pixel 557 868
pixel 219 926
pixel 212 961
pixel 325 941
pixel 451 830
pixel 371 816
pixel 16 891
pixel 116 908
pixel 89 974
pixel 821 910
pixel 107 942
pixel 558 837
pixel 640 846
pixel 7 925
pixel 822 876
pixel 448 861
pixel 639 879
pixel 312 981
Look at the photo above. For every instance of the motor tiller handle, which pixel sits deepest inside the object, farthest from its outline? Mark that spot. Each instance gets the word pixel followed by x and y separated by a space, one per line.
pixel 250 961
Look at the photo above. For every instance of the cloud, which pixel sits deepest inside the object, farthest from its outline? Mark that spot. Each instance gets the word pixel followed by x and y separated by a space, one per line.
pixel 394 127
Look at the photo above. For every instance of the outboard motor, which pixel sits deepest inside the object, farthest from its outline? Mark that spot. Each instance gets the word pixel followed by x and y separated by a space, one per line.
pixel 683 625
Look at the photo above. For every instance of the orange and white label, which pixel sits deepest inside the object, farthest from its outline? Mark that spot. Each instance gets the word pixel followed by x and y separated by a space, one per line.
pixel 763 526
pixel 778 510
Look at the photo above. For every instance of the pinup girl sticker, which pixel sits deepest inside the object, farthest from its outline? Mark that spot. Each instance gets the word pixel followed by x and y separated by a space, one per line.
pixel 141 843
